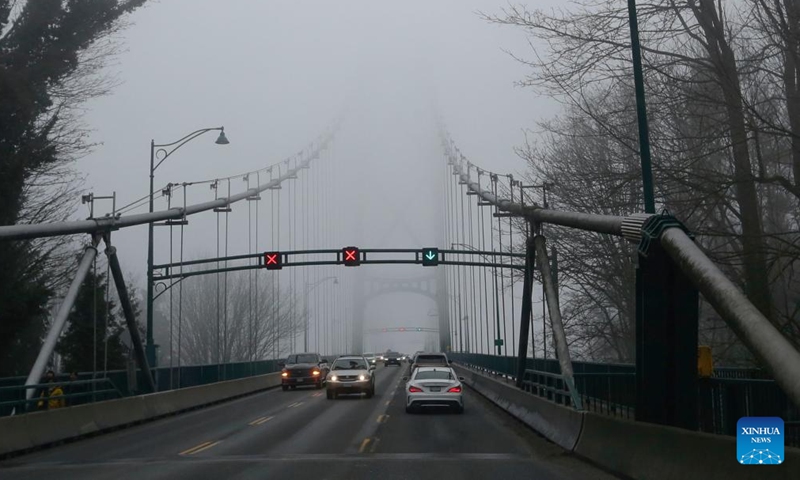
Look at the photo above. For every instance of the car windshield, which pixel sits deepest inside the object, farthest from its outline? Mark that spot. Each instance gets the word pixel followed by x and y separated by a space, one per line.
pixel 349 364
pixel 433 375
pixel 302 358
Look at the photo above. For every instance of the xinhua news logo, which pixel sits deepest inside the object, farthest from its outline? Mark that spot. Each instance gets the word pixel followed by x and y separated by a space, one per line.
pixel 759 441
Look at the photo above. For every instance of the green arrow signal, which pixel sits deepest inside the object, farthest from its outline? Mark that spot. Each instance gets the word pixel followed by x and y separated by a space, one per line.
pixel 430 257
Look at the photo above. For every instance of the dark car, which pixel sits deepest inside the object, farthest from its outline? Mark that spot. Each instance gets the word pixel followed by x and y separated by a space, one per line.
pixel 428 359
pixel 304 369
pixel 392 358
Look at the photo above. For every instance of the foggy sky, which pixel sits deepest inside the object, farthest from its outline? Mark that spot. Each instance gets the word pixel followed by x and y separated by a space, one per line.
pixel 276 74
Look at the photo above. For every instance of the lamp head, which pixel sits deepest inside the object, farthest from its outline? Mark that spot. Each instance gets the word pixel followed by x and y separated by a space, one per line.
pixel 222 139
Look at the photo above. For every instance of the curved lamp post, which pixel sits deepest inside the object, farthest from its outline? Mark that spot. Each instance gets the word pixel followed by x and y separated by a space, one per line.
pixel 161 152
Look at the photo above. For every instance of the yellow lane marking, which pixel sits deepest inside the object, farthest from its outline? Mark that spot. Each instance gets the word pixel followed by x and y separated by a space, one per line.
pixel 383 418
pixel 193 449
pixel 295 404
pixel 374 445
pixel 204 448
pixel 260 421
pixel 364 445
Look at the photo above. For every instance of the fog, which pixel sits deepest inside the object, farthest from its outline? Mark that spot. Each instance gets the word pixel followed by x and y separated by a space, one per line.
pixel 276 75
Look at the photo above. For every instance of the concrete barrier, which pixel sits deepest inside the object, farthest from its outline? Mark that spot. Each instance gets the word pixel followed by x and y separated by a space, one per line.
pixel 557 423
pixel 24 432
pixel 634 449
pixel 647 451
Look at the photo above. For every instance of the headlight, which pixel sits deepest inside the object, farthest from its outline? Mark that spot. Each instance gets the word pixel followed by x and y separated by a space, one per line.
pixel 362 378
pixel 334 378
pixel 284 374
pixel 315 372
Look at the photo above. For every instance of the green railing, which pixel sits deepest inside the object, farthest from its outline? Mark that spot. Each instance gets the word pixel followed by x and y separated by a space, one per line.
pixel 610 389
pixel 122 383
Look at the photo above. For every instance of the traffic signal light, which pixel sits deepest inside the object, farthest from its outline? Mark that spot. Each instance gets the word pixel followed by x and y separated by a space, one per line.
pixel 351 256
pixel 430 257
pixel 272 260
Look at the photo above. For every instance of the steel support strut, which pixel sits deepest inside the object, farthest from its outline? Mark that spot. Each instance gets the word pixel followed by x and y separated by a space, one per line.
pixel 527 307
pixel 130 318
pixel 750 325
pixel 61 317
pixel 562 350
pixel 666 333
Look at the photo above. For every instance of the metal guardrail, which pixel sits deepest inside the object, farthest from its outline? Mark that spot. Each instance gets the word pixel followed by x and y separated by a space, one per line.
pixel 120 383
pixel 74 393
pixel 610 389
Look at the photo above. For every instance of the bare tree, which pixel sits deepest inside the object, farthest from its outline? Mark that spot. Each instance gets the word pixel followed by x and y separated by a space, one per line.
pixel 257 323
pixel 720 80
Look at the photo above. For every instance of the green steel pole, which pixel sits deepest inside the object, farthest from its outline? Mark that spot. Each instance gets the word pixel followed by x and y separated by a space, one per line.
pixel 641 110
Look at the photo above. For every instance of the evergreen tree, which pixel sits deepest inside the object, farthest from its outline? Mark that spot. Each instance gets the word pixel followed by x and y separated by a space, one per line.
pixel 77 345
pixel 49 61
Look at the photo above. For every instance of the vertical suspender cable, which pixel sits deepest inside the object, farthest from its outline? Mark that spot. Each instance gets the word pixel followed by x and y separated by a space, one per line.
pixel 249 281
pixel 277 332
pixel 171 302
pixel 292 209
pixel 274 277
pixel 471 323
pixel 494 273
pixel 462 285
pixel 502 274
pixel 107 320
pixel 304 212
pixel 180 297
pixel 226 348
pixel 259 313
pixel 484 283
pixel 218 357
pixel 448 240
pixel 511 270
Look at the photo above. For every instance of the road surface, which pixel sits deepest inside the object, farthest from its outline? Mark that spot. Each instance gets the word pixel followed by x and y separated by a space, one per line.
pixel 301 435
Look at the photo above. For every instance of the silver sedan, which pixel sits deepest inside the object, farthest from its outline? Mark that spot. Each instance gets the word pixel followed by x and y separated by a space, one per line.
pixel 434 387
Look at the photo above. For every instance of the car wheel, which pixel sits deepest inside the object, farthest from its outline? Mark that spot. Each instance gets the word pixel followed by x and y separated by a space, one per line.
pixel 370 393
pixel 330 394
pixel 460 409
pixel 294 387
pixel 319 385
pixel 409 409
pixel 284 387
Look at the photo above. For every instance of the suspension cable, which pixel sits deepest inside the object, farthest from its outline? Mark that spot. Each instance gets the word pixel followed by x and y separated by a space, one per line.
pixel 471 322
pixel 180 299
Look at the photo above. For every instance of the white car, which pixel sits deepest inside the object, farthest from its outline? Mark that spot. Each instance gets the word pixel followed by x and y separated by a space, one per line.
pixel 438 387
pixel 351 374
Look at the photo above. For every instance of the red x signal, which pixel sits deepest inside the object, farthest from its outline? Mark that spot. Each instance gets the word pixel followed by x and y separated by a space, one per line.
pixel 351 256
pixel 272 260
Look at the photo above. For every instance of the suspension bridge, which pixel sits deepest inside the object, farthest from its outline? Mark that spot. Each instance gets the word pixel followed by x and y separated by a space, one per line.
pixel 301 285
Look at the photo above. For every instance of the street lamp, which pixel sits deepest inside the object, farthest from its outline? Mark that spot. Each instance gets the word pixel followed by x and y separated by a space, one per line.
pixel 162 152
pixel 309 287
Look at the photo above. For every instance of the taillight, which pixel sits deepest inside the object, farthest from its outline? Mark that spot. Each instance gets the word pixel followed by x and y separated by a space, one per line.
pixel 454 390
pixel 413 389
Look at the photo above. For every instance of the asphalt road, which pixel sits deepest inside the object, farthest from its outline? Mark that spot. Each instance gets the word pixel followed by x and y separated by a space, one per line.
pixel 302 435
